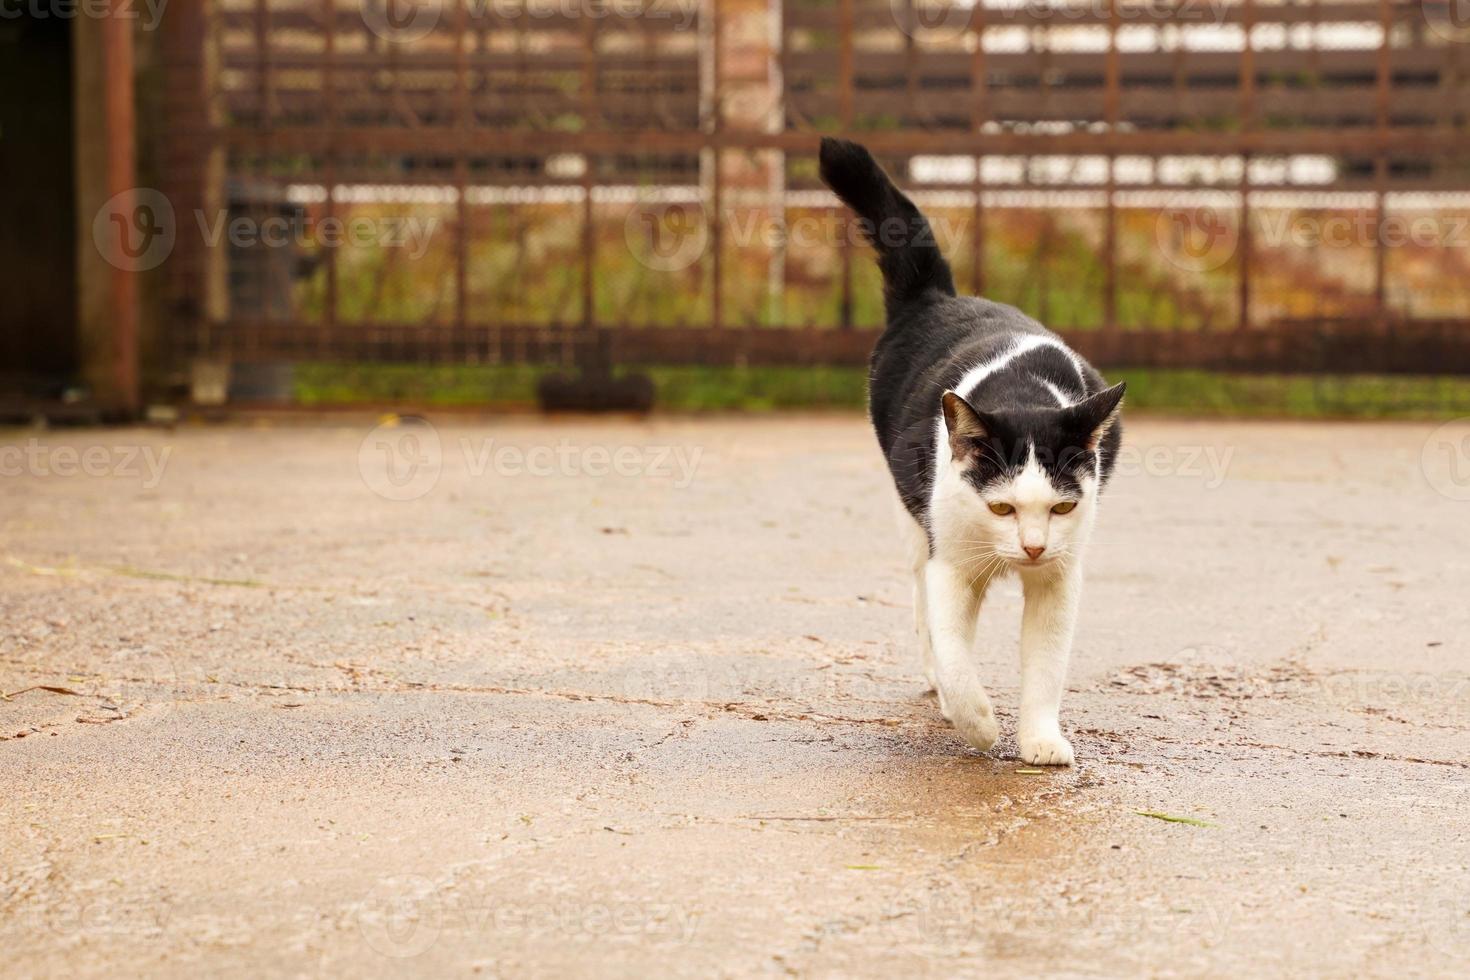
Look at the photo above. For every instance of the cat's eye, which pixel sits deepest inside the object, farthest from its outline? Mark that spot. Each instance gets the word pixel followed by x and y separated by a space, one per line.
pixel 1001 510
pixel 1065 507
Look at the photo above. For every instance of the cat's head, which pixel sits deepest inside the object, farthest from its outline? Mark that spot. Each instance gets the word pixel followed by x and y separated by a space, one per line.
pixel 1028 478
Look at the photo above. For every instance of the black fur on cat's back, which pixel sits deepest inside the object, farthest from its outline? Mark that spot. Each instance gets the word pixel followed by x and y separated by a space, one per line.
pixel 933 337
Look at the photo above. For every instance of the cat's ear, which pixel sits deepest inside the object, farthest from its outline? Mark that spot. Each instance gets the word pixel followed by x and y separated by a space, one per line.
pixel 963 423
pixel 1097 414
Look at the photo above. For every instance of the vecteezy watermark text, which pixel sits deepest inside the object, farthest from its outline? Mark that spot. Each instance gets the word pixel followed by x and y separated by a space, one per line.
pixel 409 232
pixel 35 458
pixel 147 12
pixel 940 20
pixel 676 463
pixel 1210 464
pixel 1199 230
pixel 406 21
pixel 137 230
pixel 405 915
pixel 401 460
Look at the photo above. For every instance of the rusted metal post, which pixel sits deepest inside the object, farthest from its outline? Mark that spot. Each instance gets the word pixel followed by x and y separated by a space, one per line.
pixel 1043 267
pixel 910 64
pixel 1380 162
pixel 329 170
pixel 717 173
pixel 263 60
pixel 461 177
pixel 1110 229
pixel 1244 246
pixel 117 71
pixel 1247 125
pixel 978 112
pixel 845 112
pixel 845 21
pixel 589 110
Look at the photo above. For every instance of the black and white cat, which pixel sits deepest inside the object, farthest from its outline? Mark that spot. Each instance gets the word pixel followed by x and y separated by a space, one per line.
pixel 999 438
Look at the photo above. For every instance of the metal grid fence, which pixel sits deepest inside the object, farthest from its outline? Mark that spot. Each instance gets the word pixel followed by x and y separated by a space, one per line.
pixel 1238 184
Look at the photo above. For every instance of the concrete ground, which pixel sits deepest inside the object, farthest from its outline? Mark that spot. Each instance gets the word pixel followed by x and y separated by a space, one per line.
pixel 615 698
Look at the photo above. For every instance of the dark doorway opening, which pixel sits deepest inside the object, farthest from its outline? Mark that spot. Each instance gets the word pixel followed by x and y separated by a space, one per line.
pixel 40 349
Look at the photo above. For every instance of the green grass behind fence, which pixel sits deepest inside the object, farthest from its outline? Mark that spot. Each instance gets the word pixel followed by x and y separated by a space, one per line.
pixel 764 389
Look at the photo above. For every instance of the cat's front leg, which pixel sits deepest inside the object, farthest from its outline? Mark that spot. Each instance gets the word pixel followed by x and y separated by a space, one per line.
pixel 953 603
pixel 1047 627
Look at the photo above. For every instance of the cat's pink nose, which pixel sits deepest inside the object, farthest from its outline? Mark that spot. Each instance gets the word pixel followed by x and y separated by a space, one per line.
pixel 1035 552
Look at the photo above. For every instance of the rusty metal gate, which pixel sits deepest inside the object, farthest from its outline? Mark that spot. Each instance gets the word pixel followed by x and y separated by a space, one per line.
pixel 1241 185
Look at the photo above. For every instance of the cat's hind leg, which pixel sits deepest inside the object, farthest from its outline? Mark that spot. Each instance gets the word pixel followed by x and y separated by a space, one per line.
pixel 916 549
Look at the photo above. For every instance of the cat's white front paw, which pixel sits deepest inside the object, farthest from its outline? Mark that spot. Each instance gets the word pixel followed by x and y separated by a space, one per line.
pixel 1045 750
pixel 975 720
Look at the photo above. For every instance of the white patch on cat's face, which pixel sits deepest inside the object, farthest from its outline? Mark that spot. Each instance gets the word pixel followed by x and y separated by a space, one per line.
pixel 1028 518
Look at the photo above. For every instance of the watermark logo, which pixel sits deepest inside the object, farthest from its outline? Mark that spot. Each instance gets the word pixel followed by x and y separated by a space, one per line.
pixel 1196 231
pixel 1445 459
pixel 666 236
pixel 401 459
pixel 139 679
pixel 1448 19
pixel 402 21
pixel 135 230
pixel 944 914
pixel 943 20
pixel 401 917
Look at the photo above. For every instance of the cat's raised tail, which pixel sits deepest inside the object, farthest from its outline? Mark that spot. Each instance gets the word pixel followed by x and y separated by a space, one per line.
pixel 909 256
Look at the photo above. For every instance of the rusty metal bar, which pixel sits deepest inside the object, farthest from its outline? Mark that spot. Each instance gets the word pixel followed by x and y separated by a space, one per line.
pixel 845 57
pixel 979 111
pixel 461 173
pixel 1043 266
pixel 873 16
pixel 117 69
pixel 1382 81
pixel 1247 124
pixel 329 169
pixel 265 125
pixel 589 217
pixel 910 64
pixel 263 61
pixel 1352 345
pixel 845 92
pixel 185 178
pixel 717 172
pixel 1363 139
pixel 1110 228
pixel 717 241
